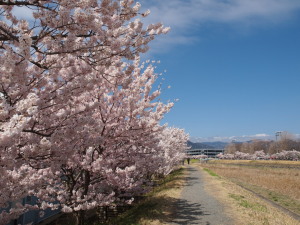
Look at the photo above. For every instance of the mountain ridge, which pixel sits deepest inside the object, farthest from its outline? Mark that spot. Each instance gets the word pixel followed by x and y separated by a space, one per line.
pixel 207 145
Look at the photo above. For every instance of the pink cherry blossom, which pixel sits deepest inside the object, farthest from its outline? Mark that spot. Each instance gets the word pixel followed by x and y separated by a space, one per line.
pixel 79 117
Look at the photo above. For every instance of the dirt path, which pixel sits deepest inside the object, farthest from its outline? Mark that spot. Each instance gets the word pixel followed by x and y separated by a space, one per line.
pixel 197 206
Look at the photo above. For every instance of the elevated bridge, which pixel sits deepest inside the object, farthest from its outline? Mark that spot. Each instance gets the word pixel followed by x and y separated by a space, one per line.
pixel 211 153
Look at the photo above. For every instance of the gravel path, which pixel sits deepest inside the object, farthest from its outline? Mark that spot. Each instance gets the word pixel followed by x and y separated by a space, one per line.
pixel 196 206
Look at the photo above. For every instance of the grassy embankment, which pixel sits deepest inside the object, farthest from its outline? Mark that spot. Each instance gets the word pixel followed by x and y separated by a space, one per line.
pixel 266 178
pixel 158 206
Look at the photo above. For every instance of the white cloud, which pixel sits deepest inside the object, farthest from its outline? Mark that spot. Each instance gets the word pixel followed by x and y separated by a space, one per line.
pixel 261 135
pixel 184 16
pixel 183 13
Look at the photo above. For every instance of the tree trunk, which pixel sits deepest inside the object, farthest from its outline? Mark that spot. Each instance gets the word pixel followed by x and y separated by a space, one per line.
pixel 80 217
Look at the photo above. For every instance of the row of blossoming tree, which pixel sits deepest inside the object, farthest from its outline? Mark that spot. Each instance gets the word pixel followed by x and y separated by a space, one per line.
pixel 283 155
pixel 79 118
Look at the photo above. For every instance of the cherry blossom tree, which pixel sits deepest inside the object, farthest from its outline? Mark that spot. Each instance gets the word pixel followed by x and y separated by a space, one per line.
pixel 260 155
pixel 78 116
pixel 110 164
pixel 283 155
pixel 173 142
pixel 287 155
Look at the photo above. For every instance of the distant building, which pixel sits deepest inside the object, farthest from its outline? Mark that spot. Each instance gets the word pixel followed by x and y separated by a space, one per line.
pixel 211 153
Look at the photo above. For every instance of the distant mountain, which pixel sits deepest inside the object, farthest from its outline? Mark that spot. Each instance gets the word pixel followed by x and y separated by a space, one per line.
pixel 197 145
pixel 207 145
pixel 216 144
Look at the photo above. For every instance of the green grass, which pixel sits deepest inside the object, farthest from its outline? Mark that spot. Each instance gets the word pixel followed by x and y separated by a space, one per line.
pixel 210 172
pixel 191 161
pixel 194 161
pixel 244 203
pixel 165 183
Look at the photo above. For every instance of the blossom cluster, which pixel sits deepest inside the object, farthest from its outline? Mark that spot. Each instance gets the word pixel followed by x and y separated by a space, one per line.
pixel 261 155
pixel 286 155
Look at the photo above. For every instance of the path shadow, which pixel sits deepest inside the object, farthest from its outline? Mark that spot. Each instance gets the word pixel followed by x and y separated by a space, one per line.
pixel 188 213
pixel 191 180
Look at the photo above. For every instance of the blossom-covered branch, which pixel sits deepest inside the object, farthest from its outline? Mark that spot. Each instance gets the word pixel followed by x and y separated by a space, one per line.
pixel 79 118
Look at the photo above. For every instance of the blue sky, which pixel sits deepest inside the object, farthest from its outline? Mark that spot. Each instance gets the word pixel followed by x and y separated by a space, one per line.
pixel 234 65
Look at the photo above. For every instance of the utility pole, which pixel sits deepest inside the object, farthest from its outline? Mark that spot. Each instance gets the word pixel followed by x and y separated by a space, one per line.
pixel 277 134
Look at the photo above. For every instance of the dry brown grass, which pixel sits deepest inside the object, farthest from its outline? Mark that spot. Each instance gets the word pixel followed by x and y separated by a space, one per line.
pixel 260 162
pixel 243 206
pixel 281 180
pixel 166 200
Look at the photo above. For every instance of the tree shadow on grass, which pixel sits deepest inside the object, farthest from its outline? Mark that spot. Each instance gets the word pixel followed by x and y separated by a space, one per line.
pixel 162 209
pixel 153 206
